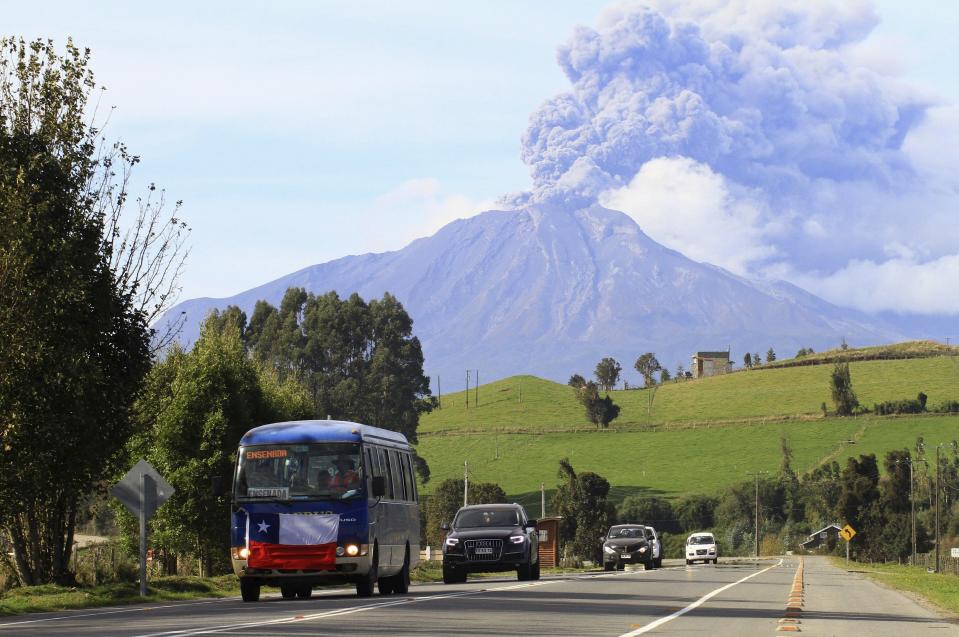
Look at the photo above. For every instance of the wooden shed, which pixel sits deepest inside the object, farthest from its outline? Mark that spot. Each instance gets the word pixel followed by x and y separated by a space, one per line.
pixel 548 541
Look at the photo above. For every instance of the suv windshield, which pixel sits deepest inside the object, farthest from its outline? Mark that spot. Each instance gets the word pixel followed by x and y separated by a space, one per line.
pixel 475 518
pixel 630 531
pixel 294 472
pixel 702 539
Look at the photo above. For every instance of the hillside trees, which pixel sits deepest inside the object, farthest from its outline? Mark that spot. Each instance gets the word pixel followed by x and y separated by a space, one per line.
pixel 843 396
pixel 447 499
pixel 654 511
pixel 194 408
pixel 748 360
pixel 607 373
pixel 581 499
pixel 359 361
pixel 647 365
pixel 576 381
pixel 75 297
pixel 770 355
pixel 599 410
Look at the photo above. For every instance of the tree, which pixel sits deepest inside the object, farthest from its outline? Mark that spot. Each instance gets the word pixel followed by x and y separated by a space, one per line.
pixel 599 411
pixel 696 512
pixel 858 503
pixel 607 373
pixel 647 365
pixel 359 360
pixel 193 410
pixel 843 396
pixel 770 355
pixel 747 360
pixel 680 371
pixel 74 344
pixel 654 511
pixel 757 361
pixel 441 506
pixel 664 375
pixel 576 381
pixel 581 501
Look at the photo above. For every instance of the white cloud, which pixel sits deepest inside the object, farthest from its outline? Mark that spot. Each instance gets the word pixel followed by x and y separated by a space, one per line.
pixel 418 208
pixel 686 206
pixel 901 285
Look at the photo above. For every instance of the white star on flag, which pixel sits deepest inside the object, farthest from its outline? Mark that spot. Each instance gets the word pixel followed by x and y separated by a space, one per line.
pixel 263 526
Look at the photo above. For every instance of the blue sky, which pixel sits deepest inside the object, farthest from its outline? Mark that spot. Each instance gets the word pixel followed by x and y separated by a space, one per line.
pixel 300 134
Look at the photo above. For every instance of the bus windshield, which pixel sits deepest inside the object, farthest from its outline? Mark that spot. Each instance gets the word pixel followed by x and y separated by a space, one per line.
pixel 299 472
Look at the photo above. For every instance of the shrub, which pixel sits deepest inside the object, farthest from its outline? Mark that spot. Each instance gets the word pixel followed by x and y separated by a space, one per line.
pixel 948 407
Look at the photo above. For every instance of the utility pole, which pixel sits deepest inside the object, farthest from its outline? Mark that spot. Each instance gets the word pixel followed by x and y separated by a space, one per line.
pixel 439 392
pixel 467 389
pixel 912 505
pixel 757 515
pixel 476 385
pixel 542 499
pixel 938 471
pixel 466 482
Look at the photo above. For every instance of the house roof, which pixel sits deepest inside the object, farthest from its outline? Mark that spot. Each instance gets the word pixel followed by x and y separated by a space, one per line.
pixel 825 528
pixel 711 355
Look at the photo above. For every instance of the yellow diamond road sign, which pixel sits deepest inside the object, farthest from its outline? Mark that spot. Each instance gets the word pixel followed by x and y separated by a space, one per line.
pixel 847 532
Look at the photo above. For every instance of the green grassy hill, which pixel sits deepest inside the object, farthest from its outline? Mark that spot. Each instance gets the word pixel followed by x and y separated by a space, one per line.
pixel 686 437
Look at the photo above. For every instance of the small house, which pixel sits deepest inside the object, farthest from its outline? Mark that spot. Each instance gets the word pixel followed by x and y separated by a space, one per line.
pixel 825 538
pixel 710 364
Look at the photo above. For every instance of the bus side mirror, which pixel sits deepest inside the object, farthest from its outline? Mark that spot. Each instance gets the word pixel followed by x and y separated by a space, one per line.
pixel 379 486
pixel 216 485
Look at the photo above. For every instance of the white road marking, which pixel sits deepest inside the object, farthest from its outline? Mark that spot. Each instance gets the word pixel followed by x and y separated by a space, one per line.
pixel 699 602
pixel 360 609
pixel 112 611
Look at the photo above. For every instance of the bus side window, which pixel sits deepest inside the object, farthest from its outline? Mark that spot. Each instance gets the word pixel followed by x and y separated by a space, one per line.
pixel 370 467
pixel 408 477
pixel 385 468
pixel 397 476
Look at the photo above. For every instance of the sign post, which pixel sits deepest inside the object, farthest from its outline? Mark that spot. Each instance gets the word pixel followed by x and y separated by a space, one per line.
pixel 142 490
pixel 847 533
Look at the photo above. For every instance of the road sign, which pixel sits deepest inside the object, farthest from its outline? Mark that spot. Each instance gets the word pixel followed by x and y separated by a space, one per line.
pixel 954 552
pixel 847 533
pixel 142 490
pixel 134 491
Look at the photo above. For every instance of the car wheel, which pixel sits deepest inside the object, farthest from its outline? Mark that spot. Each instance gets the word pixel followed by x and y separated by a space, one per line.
pixel 658 562
pixel 716 561
pixel 249 590
pixel 450 576
pixel 522 572
pixel 608 566
pixel 688 562
pixel 304 592
pixel 288 591
pixel 534 574
pixel 620 566
pixel 364 587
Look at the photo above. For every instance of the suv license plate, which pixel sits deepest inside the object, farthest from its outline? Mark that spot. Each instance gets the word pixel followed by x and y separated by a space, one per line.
pixel 624 556
pixel 483 550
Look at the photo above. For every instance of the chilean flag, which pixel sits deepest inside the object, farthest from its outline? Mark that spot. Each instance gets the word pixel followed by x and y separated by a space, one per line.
pixel 296 541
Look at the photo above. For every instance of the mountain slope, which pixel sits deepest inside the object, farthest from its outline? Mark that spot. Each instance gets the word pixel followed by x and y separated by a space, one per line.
pixel 549 291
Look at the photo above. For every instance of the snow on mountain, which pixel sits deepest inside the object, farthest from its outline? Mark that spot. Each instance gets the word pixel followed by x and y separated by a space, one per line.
pixel 549 291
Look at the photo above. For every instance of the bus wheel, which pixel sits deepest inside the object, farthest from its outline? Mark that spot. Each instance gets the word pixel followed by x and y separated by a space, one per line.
pixel 304 592
pixel 364 587
pixel 249 590
pixel 288 591
pixel 401 584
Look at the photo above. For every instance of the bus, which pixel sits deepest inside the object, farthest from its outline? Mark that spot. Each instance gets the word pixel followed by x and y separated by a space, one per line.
pixel 324 501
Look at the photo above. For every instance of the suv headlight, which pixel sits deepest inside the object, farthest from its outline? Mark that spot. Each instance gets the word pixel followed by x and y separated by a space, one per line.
pixel 642 549
pixel 609 550
pixel 452 541
pixel 517 539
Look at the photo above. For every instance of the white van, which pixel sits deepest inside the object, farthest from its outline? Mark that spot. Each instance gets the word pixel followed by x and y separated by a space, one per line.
pixel 701 546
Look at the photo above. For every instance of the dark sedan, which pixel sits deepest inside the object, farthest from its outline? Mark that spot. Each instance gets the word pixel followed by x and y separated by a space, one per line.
pixel 626 544
pixel 490 537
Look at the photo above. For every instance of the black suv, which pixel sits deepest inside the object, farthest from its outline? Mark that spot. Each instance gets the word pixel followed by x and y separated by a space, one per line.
pixel 627 544
pixel 490 537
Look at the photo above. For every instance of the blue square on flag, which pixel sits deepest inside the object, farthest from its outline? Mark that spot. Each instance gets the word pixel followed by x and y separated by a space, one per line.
pixel 265 527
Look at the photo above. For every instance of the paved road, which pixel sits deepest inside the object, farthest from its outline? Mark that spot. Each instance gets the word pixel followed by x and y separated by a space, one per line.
pixel 734 598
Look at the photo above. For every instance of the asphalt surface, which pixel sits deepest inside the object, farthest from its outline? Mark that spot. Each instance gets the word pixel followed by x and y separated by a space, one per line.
pixel 733 598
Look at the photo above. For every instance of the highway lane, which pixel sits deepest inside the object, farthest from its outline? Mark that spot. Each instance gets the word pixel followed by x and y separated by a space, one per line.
pixel 734 598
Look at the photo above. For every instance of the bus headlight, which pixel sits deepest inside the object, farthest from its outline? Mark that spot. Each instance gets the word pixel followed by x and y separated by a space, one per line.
pixel 240 552
pixel 352 550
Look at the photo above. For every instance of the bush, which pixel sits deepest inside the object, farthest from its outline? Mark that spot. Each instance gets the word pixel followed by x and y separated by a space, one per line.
pixel 948 407
pixel 905 406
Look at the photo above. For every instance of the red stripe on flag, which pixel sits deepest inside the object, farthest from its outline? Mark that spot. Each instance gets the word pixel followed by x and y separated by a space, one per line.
pixel 292 556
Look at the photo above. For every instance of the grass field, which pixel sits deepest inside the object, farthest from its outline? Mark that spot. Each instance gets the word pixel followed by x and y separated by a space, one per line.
pixel 670 461
pixel 527 403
